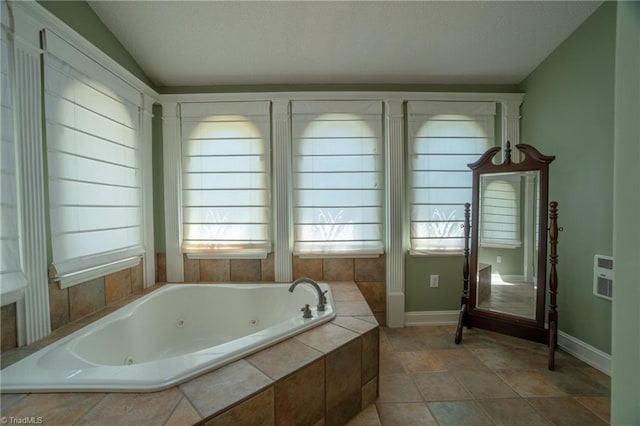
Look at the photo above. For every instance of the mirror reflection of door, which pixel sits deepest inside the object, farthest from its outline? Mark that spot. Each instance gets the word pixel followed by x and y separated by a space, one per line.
pixel 507 243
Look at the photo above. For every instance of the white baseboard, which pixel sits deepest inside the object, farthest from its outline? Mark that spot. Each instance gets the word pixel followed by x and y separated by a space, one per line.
pixel 576 347
pixel 431 318
pixel 585 352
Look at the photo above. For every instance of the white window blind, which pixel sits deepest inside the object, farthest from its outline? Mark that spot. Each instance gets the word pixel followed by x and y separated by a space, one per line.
pixel 337 177
pixel 93 147
pixel 499 210
pixel 444 137
pixel 12 278
pixel 226 199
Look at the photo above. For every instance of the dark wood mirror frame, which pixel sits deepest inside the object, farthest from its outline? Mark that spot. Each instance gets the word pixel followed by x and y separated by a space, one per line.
pixel 470 315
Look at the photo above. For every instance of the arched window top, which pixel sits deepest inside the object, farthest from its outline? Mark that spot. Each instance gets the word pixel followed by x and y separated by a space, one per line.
pixel 225 127
pixel 452 126
pixel 339 126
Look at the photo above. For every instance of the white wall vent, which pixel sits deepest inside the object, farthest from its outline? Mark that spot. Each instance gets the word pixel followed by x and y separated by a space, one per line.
pixel 603 276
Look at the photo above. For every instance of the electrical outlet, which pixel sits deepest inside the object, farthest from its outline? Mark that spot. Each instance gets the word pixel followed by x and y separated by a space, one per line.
pixel 434 280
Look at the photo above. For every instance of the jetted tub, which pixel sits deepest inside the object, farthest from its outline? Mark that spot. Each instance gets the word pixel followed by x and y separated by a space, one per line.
pixel 167 337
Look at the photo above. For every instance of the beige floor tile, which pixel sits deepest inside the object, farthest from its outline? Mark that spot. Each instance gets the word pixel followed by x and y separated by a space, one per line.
pixel 484 384
pixel 406 414
pixel 458 413
pixel 441 386
pixel 419 362
pixel 397 388
pixel 513 412
pixel 599 405
pixel 529 383
pixel 565 412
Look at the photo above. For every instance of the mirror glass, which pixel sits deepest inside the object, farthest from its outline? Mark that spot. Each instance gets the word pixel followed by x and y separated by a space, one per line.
pixel 508 232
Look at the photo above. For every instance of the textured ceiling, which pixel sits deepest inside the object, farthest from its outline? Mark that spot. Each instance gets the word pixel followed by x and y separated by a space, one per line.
pixel 191 43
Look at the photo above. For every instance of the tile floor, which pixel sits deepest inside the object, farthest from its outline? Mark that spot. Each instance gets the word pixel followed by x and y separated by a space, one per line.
pixel 489 379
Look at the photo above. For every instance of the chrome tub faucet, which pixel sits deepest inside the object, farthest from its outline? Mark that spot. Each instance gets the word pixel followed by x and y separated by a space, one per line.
pixel 322 299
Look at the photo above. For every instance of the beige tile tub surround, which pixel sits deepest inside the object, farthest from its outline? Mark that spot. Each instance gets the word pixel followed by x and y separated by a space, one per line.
pixel 367 273
pixel 9 327
pixel 82 300
pixel 326 375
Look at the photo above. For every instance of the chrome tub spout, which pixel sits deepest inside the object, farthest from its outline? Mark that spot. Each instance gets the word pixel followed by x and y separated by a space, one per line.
pixel 322 300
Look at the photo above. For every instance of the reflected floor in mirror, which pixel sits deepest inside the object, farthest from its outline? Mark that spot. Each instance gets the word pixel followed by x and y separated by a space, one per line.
pixel 511 297
pixel 489 379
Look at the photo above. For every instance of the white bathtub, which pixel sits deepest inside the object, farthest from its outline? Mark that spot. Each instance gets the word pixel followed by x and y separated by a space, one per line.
pixel 167 337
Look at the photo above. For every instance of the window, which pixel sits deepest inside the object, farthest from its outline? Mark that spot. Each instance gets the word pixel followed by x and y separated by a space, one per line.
pixel 12 278
pixel 337 177
pixel 93 152
pixel 444 137
pixel 499 207
pixel 225 179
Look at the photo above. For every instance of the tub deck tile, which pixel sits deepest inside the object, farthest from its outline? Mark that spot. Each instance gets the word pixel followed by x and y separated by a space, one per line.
pixel 184 414
pixel 354 324
pixel 326 337
pixel 352 308
pixel 133 408
pixel 221 388
pixel 284 358
pixel 54 408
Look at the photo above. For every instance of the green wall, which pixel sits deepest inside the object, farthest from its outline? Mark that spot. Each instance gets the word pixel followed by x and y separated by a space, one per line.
pixel 568 111
pixel 79 16
pixel 158 181
pixel 419 296
pixel 625 380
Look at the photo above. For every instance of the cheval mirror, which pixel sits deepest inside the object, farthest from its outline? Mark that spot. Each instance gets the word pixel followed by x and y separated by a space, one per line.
pixel 504 271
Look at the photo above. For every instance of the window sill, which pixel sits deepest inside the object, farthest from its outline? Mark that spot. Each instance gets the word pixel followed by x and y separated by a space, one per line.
pixel 79 277
pixel 329 255
pixel 221 256
pixel 11 296
pixel 418 253
pixel 501 245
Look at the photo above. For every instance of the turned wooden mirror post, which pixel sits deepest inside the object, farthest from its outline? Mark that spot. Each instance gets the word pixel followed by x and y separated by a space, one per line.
pixel 504 270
